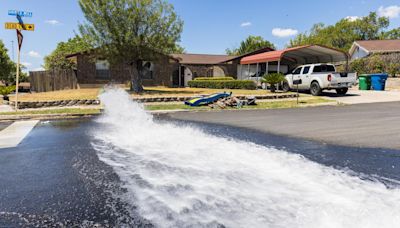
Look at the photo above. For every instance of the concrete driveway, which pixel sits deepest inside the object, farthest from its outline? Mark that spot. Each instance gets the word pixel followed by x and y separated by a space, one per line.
pixel 355 96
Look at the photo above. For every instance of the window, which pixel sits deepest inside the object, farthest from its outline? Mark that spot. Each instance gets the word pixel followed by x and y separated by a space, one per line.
pixel 297 71
pixel 102 69
pixel 324 68
pixel 306 70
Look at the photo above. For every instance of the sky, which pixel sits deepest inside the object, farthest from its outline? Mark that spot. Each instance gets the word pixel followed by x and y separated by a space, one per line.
pixel 210 26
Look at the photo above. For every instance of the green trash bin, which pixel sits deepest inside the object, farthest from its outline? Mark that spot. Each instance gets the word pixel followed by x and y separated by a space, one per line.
pixel 364 82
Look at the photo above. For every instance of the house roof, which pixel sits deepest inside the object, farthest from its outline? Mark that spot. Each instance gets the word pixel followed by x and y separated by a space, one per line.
pixel 262 50
pixel 377 46
pixel 186 58
pixel 201 58
pixel 301 54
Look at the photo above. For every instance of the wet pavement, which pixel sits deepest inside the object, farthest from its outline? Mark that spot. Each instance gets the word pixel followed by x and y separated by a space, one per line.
pixel 54 177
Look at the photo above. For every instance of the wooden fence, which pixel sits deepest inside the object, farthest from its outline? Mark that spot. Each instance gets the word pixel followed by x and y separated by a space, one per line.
pixel 52 80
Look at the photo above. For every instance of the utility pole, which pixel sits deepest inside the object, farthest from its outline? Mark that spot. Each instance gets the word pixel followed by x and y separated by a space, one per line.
pixel 12 48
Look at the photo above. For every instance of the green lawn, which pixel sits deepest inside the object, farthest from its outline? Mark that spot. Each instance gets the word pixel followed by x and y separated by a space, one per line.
pixel 260 105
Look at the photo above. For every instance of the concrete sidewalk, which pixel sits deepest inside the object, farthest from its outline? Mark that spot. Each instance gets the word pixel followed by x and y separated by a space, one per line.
pixel 355 96
pixel 6 108
pixel 15 133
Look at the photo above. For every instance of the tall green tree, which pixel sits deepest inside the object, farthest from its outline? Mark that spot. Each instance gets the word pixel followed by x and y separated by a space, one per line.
pixel 57 60
pixel 7 67
pixel 131 31
pixel 250 44
pixel 342 34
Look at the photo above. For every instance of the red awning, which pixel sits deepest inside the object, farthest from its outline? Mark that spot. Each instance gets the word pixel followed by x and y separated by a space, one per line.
pixel 302 55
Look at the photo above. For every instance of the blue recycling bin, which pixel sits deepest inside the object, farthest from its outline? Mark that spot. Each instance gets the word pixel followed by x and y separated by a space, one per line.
pixel 378 81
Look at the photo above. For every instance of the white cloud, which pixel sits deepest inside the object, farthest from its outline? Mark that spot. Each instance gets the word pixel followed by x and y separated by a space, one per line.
pixel 284 32
pixel 245 24
pixel 26 64
pixel 34 54
pixel 38 69
pixel 352 18
pixel 390 11
pixel 52 22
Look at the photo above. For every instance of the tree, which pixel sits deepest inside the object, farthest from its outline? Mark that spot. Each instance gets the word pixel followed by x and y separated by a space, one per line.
pixel 7 67
pixel 392 34
pixel 252 43
pixel 57 60
pixel 178 49
pixel 342 34
pixel 130 31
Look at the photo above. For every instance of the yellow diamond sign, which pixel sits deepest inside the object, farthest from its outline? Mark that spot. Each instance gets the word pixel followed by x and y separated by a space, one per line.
pixel 13 25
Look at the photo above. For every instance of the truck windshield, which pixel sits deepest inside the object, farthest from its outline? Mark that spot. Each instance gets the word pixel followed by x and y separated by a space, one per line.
pixel 324 68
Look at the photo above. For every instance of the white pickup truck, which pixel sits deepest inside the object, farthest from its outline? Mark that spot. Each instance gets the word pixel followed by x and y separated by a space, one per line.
pixel 318 77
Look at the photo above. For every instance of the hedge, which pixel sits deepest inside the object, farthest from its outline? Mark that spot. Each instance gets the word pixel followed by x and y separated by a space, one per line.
pixel 213 78
pixel 223 84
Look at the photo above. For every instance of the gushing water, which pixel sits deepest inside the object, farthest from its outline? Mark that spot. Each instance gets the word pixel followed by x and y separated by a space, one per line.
pixel 179 176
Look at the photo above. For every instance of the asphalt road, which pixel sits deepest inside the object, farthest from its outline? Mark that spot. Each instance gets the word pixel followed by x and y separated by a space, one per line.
pixel 55 179
pixel 364 125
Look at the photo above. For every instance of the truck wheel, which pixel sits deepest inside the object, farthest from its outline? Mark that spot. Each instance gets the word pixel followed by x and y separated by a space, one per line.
pixel 315 89
pixel 342 91
pixel 285 86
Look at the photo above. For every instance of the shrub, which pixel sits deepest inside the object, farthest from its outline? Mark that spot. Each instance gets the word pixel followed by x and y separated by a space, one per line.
pixel 5 90
pixel 213 78
pixel 222 84
pixel 273 79
pixel 378 63
pixel 359 66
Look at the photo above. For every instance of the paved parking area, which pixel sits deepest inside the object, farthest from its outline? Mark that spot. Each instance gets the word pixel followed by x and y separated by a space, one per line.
pixel 355 96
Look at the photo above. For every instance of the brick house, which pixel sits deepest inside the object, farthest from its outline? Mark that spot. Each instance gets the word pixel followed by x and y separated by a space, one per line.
pixel 168 70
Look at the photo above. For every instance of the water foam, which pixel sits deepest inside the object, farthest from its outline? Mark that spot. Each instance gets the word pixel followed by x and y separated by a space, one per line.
pixel 179 176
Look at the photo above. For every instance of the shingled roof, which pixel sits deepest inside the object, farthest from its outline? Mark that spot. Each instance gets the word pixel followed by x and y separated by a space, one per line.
pixel 201 58
pixel 378 46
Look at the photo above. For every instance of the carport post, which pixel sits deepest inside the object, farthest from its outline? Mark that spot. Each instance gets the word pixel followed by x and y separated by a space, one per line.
pixel 279 66
pixel 266 68
pixel 257 72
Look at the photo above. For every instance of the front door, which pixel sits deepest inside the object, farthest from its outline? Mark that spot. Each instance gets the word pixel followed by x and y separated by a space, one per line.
pixel 187 76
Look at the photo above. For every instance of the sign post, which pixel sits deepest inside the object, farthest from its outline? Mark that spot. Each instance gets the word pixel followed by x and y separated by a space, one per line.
pixel 20 39
pixel 18 26
pixel 297 82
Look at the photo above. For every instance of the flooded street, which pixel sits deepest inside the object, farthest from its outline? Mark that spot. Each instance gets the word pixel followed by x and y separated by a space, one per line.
pixel 131 169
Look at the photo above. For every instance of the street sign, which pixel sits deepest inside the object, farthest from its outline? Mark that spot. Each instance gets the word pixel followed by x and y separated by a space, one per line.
pixel 19 18
pixel 20 38
pixel 20 13
pixel 15 25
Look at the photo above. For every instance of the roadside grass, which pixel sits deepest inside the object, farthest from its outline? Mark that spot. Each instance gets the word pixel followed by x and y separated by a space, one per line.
pixel 92 93
pixel 303 102
pixel 260 105
pixel 73 94
pixel 81 111
pixel 166 91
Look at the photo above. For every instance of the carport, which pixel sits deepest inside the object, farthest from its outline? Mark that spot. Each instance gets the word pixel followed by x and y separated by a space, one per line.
pixel 300 55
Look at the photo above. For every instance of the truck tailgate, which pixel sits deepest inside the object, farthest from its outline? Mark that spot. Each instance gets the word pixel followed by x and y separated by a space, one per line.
pixel 344 78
